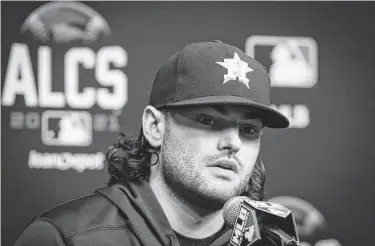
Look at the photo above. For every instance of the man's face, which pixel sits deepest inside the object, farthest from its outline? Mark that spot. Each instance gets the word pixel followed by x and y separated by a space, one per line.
pixel 209 152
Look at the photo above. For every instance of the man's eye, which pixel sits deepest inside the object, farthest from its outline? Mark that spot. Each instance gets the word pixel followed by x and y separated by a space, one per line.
pixel 206 121
pixel 249 130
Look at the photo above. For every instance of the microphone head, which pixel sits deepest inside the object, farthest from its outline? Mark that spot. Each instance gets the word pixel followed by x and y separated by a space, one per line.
pixel 231 209
pixel 242 214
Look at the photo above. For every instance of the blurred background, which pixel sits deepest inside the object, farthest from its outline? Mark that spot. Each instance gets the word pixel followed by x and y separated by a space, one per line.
pixel 74 75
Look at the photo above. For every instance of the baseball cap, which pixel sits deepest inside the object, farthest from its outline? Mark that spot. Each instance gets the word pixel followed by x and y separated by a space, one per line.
pixel 215 73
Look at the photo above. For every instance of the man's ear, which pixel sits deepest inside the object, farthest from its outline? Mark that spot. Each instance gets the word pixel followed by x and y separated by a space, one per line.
pixel 153 124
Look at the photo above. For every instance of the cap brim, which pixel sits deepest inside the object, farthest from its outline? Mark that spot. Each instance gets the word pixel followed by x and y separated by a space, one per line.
pixel 270 117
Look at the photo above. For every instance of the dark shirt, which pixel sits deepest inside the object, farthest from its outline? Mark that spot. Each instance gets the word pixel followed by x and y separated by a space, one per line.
pixel 187 241
pixel 120 214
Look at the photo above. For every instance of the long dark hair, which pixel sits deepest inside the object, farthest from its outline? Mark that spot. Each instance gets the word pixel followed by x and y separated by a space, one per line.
pixel 130 159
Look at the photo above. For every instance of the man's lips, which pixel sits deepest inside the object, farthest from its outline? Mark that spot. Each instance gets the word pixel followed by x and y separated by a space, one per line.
pixel 226 164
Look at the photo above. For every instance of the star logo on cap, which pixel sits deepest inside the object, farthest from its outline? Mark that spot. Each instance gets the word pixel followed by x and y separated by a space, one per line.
pixel 236 69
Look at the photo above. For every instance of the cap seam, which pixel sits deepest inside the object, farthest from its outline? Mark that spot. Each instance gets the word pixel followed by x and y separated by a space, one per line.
pixel 269 79
pixel 178 71
pixel 233 50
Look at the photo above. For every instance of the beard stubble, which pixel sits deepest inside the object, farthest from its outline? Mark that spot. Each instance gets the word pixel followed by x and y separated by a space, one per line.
pixel 181 171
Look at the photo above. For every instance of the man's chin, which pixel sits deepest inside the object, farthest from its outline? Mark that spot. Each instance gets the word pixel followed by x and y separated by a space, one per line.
pixel 219 197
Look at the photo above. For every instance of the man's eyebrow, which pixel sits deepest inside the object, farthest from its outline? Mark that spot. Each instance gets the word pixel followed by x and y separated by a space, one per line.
pixel 221 109
pixel 251 114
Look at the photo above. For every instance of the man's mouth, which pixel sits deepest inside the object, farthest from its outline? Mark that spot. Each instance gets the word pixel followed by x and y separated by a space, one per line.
pixel 227 165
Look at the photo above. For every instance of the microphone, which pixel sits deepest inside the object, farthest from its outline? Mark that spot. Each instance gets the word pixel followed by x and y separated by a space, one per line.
pixel 250 220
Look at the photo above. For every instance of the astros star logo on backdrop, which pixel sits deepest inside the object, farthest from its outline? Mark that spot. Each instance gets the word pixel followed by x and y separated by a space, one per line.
pixel 236 69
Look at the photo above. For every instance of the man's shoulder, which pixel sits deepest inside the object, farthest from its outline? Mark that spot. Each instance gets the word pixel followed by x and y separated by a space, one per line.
pixel 92 219
pixel 88 212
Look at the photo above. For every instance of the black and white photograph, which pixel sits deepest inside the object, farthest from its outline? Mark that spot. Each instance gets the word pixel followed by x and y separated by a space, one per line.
pixel 187 123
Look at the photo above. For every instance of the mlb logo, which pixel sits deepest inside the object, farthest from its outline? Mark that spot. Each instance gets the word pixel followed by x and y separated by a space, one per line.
pixel 245 230
pixel 66 128
pixel 290 61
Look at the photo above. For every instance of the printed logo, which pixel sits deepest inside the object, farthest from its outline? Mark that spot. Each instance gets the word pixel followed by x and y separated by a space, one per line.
pixel 245 230
pixel 66 22
pixel 291 61
pixel 66 128
pixel 236 69
pixel 82 84
pixel 249 234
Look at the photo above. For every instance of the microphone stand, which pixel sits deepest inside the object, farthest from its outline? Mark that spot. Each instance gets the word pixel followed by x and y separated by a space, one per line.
pixel 277 235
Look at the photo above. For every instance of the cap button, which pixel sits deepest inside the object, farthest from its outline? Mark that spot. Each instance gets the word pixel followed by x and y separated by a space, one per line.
pixel 218 41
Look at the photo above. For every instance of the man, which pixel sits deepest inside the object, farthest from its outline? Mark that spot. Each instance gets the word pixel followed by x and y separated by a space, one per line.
pixel 198 147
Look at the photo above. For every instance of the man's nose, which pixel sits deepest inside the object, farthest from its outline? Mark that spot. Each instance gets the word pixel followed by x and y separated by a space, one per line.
pixel 230 140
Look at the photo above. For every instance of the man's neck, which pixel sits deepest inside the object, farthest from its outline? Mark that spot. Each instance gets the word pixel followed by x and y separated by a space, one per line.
pixel 185 218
